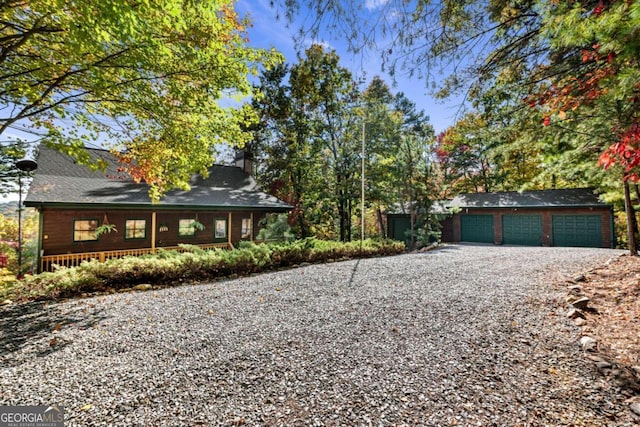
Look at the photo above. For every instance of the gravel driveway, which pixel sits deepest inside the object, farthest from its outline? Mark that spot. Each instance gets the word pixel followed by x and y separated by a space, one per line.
pixel 464 335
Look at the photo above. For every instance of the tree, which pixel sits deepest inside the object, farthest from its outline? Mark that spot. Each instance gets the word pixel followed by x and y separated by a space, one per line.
pixel 597 87
pixel 145 78
pixel 574 63
pixel 10 153
pixel 464 158
pixel 9 240
pixel 381 140
pixel 282 138
pixel 329 96
pixel 308 134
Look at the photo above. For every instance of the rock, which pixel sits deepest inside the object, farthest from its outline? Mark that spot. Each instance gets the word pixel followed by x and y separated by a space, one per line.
pixel 575 290
pixel 581 303
pixel 143 287
pixel 596 358
pixel 588 343
pixel 635 408
pixel 580 278
pixel 574 313
pixel 603 365
pixel 6 302
pixel 579 321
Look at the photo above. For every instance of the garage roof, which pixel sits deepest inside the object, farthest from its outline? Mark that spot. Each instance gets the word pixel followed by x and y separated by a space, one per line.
pixel 571 197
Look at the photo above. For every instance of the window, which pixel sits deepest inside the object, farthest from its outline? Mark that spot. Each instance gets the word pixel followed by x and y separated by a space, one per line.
pixel 85 230
pixel 186 227
pixel 220 229
pixel 246 228
pixel 135 229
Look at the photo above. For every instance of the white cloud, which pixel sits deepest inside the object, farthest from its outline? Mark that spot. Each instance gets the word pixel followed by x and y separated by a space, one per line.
pixel 375 4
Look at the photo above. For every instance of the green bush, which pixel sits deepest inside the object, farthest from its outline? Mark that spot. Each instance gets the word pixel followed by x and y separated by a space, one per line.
pixel 172 267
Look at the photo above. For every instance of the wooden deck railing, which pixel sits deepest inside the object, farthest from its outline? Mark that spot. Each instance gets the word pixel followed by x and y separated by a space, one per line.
pixel 47 262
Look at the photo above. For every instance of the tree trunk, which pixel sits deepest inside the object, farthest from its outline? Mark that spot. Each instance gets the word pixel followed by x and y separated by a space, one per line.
pixel 383 231
pixel 635 216
pixel 342 212
pixel 633 246
pixel 412 223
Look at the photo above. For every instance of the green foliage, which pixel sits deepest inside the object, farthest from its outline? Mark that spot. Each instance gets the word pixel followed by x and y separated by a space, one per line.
pixel 8 282
pixel 275 227
pixel 105 228
pixel 9 239
pixel 11 151
pixel 147 76
pixel 310 137
pixel 169 268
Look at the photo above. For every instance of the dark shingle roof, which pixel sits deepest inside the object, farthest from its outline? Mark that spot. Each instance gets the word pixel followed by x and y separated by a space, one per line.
pixel 60 180
pixel 574 197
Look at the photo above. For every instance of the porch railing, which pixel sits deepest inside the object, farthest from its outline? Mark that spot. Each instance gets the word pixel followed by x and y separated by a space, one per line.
pixel 73 260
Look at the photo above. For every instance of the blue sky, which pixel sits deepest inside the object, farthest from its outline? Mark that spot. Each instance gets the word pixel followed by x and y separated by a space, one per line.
pixel 268 31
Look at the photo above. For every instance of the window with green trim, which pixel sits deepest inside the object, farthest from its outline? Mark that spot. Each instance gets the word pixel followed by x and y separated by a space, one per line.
pixel 186 227
pixel 84 230
pixel 135 229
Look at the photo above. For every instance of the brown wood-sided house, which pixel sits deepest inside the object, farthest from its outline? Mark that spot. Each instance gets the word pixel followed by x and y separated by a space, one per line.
pixel 87 214
pixel 566 217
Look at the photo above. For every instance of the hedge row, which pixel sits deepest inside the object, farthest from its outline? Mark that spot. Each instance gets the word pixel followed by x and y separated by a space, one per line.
pixel 172 268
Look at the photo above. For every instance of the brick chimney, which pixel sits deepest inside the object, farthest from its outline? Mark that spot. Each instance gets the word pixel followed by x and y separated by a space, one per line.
pixel 244 160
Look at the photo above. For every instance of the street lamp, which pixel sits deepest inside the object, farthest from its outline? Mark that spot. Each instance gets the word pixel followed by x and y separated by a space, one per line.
pixel 24 165
pixel 362 213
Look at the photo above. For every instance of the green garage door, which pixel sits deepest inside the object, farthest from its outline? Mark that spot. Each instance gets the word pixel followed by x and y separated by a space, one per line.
pixel 577 230
pixel 476 228
pixel 522 230
pixel 399 226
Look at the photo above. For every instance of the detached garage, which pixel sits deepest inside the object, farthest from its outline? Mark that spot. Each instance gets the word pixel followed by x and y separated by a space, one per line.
pixel 568 217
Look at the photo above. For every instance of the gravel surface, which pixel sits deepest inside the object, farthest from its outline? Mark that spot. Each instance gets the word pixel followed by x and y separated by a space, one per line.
pixel 463 335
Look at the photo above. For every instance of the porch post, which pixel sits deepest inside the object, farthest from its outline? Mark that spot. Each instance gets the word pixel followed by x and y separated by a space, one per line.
pixel 229 231
pixel 153 231
pixel 41 236
pixel 251 232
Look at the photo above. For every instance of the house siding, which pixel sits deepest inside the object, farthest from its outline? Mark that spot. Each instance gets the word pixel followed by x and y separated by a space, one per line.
pixel 547 215
pixel 57 228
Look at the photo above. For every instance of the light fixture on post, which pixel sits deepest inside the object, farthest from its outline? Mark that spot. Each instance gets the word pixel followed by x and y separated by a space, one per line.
pixel 362 212
pixel 24 165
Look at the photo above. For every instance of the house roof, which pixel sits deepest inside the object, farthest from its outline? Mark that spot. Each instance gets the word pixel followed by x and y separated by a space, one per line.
pixel 59 180
pixel 574 197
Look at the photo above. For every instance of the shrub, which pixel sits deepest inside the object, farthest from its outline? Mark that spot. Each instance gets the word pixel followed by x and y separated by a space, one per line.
pixel 172 267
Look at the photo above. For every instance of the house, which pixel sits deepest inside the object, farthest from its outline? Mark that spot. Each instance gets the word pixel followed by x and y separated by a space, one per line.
pixel 568 217
pixel 87 214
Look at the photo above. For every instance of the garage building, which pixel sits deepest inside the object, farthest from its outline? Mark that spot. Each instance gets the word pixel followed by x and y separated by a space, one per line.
pixel 568 217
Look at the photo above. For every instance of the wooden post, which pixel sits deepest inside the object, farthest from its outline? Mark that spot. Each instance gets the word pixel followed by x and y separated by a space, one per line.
pixel 153 232
pixel 251 232
pixel 229 231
